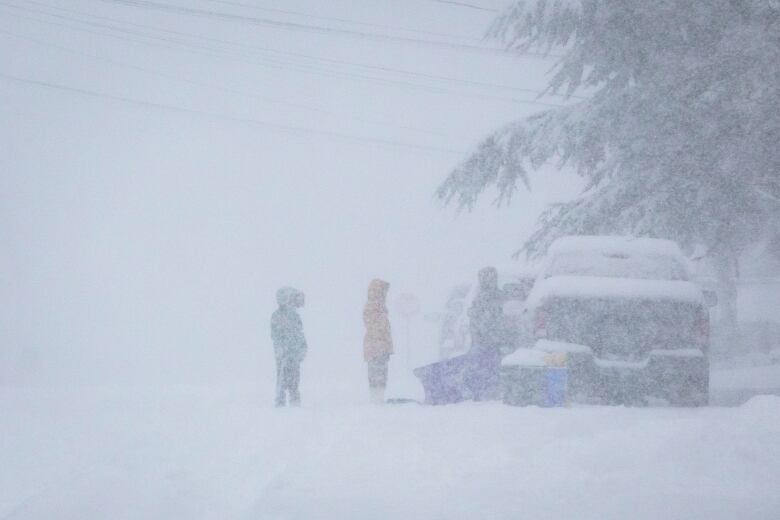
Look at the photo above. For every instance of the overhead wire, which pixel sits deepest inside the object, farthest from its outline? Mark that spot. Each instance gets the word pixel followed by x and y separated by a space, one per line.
pixel 210 50
pixel 295 26
pixel 470 6
pixel 395 70
pixel 91 24
pixel 225 117
pixel 448 79
pixel 256 7
pixel 253 95
pixel 309 68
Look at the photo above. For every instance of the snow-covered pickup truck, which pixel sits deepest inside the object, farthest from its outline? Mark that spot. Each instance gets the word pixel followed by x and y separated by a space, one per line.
pixel 631 322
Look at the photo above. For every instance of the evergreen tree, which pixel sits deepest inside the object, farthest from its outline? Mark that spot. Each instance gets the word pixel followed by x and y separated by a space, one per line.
pixel 679 134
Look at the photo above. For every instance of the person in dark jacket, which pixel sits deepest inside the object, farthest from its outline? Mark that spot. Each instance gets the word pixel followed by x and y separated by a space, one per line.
pixel 289 345
pixel 486 315
pixel 488 335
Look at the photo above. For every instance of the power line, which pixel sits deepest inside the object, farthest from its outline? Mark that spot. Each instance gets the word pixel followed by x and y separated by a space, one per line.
pixel 217 87
pixel 92 24
pixel 225 117
pixel 448 79
pixel 306 68
pixel 269 22
pixel 340 20
pixel 470 6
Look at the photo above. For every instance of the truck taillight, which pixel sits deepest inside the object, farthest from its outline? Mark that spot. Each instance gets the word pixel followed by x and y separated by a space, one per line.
pixel 540 323
pixel 702 332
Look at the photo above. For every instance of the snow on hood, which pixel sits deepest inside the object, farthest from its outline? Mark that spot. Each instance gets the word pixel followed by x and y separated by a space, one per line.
pixel 611 245
pixel 525 357
pixel 547 345
pixel 289 297
pixel 612 288
pixel 377 291
pixel 616 256
pixel 538 354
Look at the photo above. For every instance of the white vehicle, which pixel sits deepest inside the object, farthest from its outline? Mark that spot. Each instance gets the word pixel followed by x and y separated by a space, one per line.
pixel 625 310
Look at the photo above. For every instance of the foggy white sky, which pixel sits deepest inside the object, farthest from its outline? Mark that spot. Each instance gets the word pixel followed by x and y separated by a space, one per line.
pixel 143 243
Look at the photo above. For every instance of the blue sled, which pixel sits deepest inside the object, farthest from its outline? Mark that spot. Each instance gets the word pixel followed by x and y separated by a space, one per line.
pixel 469 376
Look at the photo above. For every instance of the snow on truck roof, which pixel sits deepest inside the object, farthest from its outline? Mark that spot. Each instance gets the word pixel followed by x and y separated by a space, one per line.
pixel 612 288
pixel 611 245
pixel 616 257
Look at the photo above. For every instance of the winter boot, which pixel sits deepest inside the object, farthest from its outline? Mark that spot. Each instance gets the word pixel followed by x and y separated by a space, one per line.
pixel 377 395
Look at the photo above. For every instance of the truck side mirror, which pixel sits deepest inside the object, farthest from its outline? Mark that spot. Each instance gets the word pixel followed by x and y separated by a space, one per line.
pixel 710 298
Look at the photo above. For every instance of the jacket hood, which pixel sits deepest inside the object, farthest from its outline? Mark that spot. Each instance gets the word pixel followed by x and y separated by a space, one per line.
pixel 289 297
pixel 377 290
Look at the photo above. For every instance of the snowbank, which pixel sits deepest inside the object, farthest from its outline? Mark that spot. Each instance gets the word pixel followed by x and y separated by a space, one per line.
pixel 207 454
pixel 612 288
pixel 763 377
pixel 761 406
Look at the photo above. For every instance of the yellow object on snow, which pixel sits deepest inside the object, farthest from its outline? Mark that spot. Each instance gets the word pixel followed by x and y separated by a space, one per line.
pixel 555 359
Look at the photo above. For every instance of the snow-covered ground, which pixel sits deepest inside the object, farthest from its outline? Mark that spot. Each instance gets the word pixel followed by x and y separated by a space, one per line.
pixel 733 385
pixel 224 453
pixel 765 377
